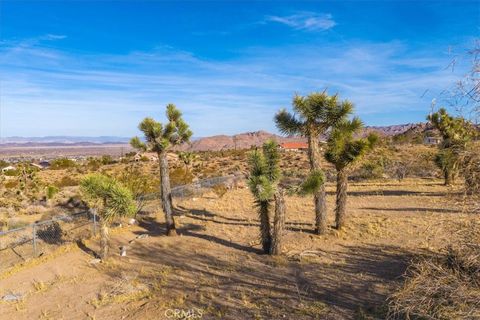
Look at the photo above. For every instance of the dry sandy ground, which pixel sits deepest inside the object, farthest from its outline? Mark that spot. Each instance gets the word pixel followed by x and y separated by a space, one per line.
pixel 214 270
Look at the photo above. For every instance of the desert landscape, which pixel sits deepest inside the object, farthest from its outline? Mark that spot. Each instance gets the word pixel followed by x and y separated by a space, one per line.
pixel 237 160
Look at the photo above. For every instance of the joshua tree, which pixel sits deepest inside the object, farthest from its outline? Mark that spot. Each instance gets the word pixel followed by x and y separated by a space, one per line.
pixel 314 115
pixel 187 158
pixel 278 223
pixel 342 151
pixel 456 133
pixel 264 176
pixel 160 139
pixel 111 200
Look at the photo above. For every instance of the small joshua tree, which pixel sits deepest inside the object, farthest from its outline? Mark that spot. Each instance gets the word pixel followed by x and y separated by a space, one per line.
pixel 263 183
pixel 160 139
pixel 314 116
pixel 187 158
pixel 111 200
pixel 456 133
pixel 342 151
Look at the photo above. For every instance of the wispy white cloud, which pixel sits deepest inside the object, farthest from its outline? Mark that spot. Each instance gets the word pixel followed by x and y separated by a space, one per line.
pixel 53 37
pixel 48 91
pixel 309 21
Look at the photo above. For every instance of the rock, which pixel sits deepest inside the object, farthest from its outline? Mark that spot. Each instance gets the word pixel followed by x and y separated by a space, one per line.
pixel 123 251
pixel 12 297
pixel 95 261
pixel 142 236
pixel 132 221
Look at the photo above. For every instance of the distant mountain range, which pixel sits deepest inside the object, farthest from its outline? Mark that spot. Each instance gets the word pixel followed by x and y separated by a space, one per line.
pixel 64 140
pixel 213 143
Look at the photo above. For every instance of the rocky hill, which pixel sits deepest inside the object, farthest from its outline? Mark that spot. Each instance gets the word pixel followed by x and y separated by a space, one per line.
pixel 257 138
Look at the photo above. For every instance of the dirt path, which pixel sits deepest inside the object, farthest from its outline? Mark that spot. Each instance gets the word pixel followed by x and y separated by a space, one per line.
pixel 214 269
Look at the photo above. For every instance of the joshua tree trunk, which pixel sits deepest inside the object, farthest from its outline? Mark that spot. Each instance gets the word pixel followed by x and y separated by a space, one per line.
pixel 103 239
pixel 278 223
pixel 166 194
pixel 319 196
pixel 340 210
pixel 265 234
pixel 449 177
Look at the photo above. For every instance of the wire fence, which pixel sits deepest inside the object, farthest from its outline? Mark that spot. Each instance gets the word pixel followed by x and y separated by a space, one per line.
pixel 200 187
pixel 39 238
pixel 20 244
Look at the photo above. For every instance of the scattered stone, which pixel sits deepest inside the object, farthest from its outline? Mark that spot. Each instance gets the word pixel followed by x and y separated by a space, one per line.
pixel 12 297
pixel 132 221
pixel 95 261
pixel 123 251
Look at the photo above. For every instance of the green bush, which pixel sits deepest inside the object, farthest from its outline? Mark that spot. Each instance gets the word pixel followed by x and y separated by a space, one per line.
pixel 62 163
pixel 11 173
pixel 107 159
pixel 180 176
pixel 66 181
pixel 51 191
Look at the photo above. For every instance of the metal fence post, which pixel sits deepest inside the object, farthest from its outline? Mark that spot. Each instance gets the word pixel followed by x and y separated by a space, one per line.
pixel 34 239
pixel 94 222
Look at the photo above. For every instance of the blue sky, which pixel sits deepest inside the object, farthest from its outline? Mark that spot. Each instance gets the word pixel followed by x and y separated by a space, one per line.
pixel 97 68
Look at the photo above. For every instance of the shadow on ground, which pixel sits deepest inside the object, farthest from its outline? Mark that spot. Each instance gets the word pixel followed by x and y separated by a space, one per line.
pixel 232 281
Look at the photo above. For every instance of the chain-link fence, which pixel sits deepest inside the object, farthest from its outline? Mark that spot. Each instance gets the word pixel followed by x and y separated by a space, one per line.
pixel 36 239
pixel 199 187
pixel 20 244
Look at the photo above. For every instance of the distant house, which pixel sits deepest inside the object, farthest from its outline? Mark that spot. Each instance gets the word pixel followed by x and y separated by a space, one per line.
pixel 432 140
pixel 44 164
pixel 36 166
pixel 294 146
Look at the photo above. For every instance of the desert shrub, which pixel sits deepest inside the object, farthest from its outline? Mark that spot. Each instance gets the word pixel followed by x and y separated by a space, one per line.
pixel 470 169
pixel 107 159
pixel 11 184
pixel 220 190
pixel 93 164
pixel 62 163
pixel 180 176
pixel 443 286
pixel 66 181
pixel 51 191
pixel 11 173
pixel 373 169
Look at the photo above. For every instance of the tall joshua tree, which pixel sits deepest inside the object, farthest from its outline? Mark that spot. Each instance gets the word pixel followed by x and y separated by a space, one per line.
pixel 313 116
pixel 111 199
pixel 264 176
pixel 160 139
pixel 456 133
pixel 342 151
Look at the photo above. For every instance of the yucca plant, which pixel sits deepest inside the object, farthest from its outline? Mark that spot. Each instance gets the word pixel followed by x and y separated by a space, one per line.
pixel 187 158
pixel 457 133
pixel 263 181
pixel 343 150
pixel 111 199
pixel 160 139
pixel 313 116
